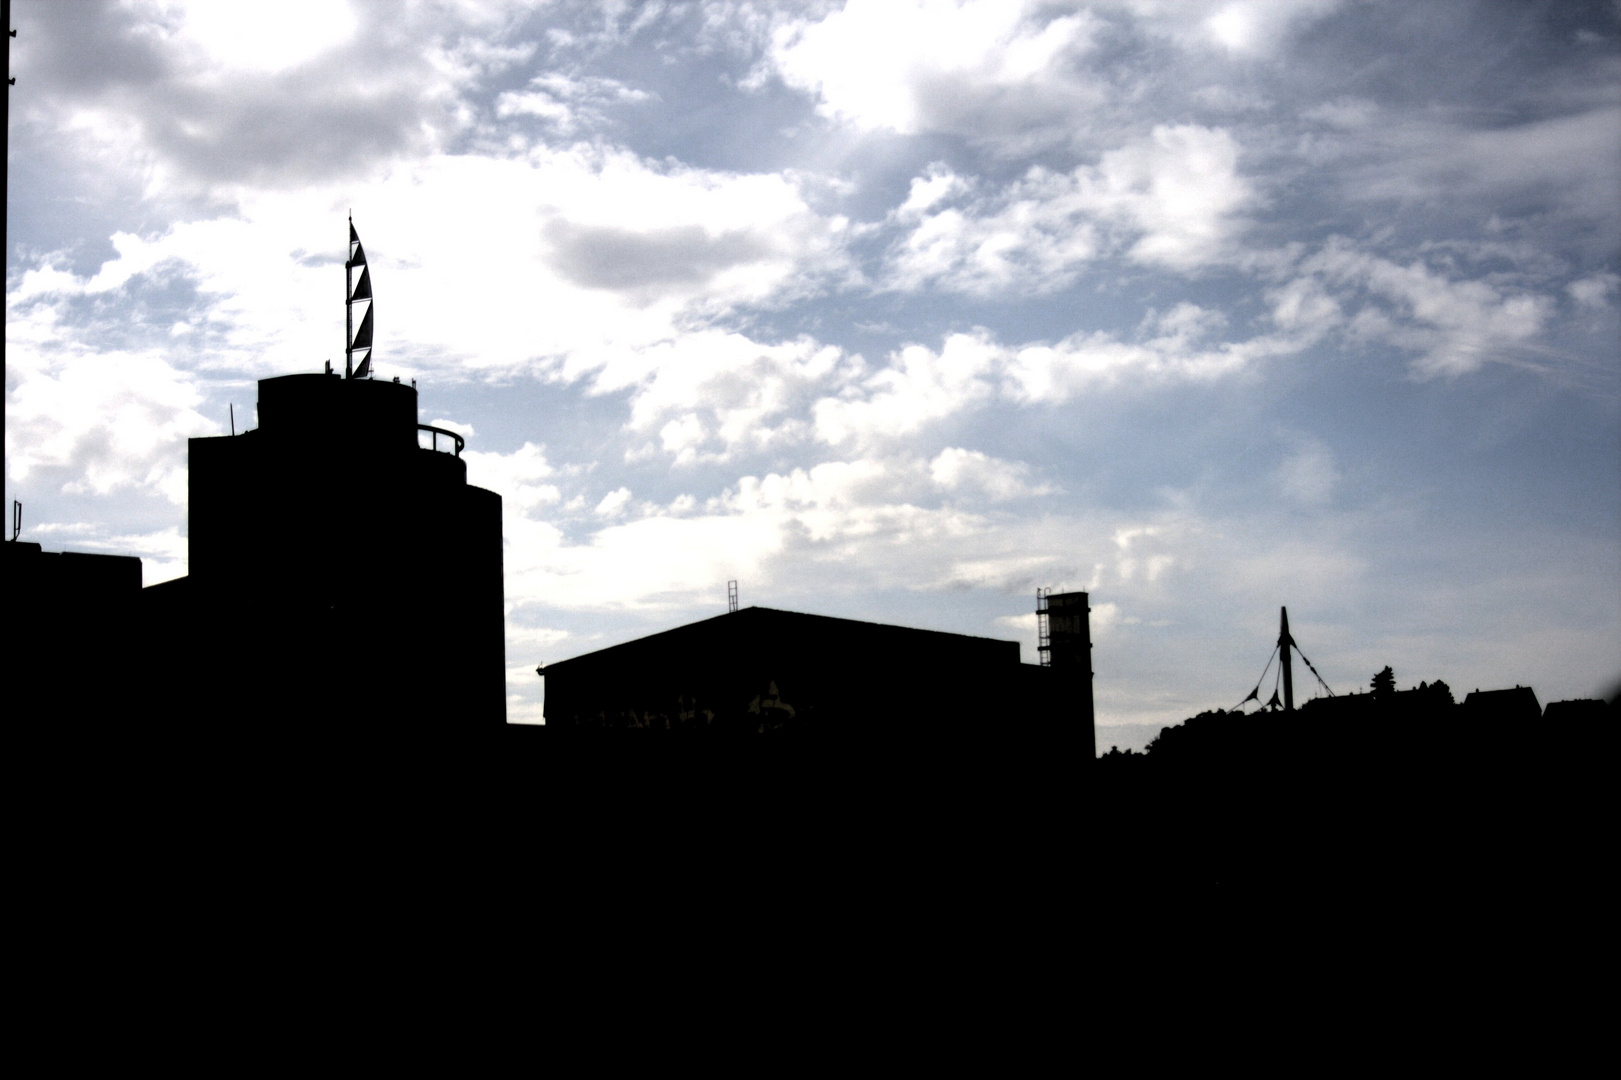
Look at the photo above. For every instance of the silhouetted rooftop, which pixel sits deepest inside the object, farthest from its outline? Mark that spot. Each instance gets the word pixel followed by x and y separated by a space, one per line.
pixel 1518 703
pixel 759 624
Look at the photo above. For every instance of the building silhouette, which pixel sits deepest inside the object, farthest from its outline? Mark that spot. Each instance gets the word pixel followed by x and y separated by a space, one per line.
pixel 341 572
pixel 74 621
pixel 1064 630
pixel 1502 708
pixel 763 671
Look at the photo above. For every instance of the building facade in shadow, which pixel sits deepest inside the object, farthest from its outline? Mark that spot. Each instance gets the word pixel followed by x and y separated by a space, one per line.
pixel 75 626
pixel 342 573
pixel 761 671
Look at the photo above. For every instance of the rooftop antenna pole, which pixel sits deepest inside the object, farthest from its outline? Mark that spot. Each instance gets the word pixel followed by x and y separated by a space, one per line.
pixel 16 519
pixel 5 166
pixel 356 340
pixel 348 304
pixel 731 596
pixel 1285 644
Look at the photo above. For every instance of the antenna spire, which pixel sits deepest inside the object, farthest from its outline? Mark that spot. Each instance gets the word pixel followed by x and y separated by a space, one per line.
pixel 356 292
pixel 1286 645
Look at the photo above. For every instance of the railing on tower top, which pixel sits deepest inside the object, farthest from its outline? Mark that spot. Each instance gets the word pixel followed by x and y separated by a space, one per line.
pixel 460 442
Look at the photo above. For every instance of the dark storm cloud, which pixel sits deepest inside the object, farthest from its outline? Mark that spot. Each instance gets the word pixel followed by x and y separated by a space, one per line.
pixel 83 50
pixel 601 257
pixel 273 132
pixel 1568 165
pixel 369 100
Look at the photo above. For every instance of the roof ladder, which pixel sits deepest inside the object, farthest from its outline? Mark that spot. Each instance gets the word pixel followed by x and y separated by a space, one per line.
pixel 1044 631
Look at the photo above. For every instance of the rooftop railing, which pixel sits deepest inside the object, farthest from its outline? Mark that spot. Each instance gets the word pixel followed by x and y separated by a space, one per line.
pixel 436 432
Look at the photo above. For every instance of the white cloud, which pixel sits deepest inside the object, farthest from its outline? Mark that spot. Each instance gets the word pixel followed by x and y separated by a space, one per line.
pixel 516 477
pixel 1257 27
pixel 464 430
pixel 163 552
pixel 1056 373
pixel 1035 235
pixel 613 504
pixel 572 260
pixel 653 563
pixel 778 529
pixel 1179 189
pixel 1025 623
pixel 1241 30
pixel 1454 326
pixel 1171 199
pixel 723 391
pixel 1142 553
pixel 266 38
pixel 567 103
pixel 956 469
pixel 100 423
pixel 1104 618
pixel 1304 306
pixel 987 68
pixel 1595 290
pixel 682 437
pixel 938 183
pixel 920 387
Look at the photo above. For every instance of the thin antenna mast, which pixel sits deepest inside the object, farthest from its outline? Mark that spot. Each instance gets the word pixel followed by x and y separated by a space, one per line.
pixel 354 292
pixel 1285 645
pixel 348 303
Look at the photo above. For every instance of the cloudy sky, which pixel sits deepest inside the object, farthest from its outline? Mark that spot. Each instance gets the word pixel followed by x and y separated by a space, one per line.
pixel 890 311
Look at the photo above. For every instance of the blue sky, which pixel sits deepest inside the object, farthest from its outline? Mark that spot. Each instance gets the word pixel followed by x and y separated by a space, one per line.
pixel 890 311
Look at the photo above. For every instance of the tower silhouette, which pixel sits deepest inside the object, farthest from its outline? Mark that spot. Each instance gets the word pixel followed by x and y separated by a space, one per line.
pixel 1065 646
pixel 352 575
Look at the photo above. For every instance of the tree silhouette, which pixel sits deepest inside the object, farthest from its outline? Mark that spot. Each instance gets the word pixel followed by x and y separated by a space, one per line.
pixel 1384 683
pixel 1437 693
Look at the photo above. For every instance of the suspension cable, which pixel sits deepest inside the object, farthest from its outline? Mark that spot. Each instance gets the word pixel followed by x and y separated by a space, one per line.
pixel 1320 680
pixel 1257 691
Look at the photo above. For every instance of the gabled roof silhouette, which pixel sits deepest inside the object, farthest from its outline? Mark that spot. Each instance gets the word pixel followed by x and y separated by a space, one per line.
pixel 1516 704
pixel 817 671
pixel 754 625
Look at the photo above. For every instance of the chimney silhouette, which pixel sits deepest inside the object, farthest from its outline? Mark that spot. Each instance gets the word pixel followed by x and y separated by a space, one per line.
pixel 1069 653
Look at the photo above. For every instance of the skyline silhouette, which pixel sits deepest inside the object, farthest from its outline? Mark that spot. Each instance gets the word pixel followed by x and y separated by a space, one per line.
pixel 754 671
pixel 893 313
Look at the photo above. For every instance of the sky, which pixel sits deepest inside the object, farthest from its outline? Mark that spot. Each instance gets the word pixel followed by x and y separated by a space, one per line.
pixel 886 310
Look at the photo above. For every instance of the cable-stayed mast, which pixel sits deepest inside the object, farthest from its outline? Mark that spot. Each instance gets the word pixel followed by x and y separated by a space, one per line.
pixel 356 341
pixel 1286 645
pixel 1283 654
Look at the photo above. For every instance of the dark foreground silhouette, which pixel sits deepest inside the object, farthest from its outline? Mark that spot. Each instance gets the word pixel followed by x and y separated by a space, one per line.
pixel 314 719
pixel 1387 798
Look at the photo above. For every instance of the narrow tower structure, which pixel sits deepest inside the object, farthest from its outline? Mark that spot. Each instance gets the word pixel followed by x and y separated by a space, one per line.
pixel 353 341
pixel 346 572
pixel 1286 646
pixel 1065 646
